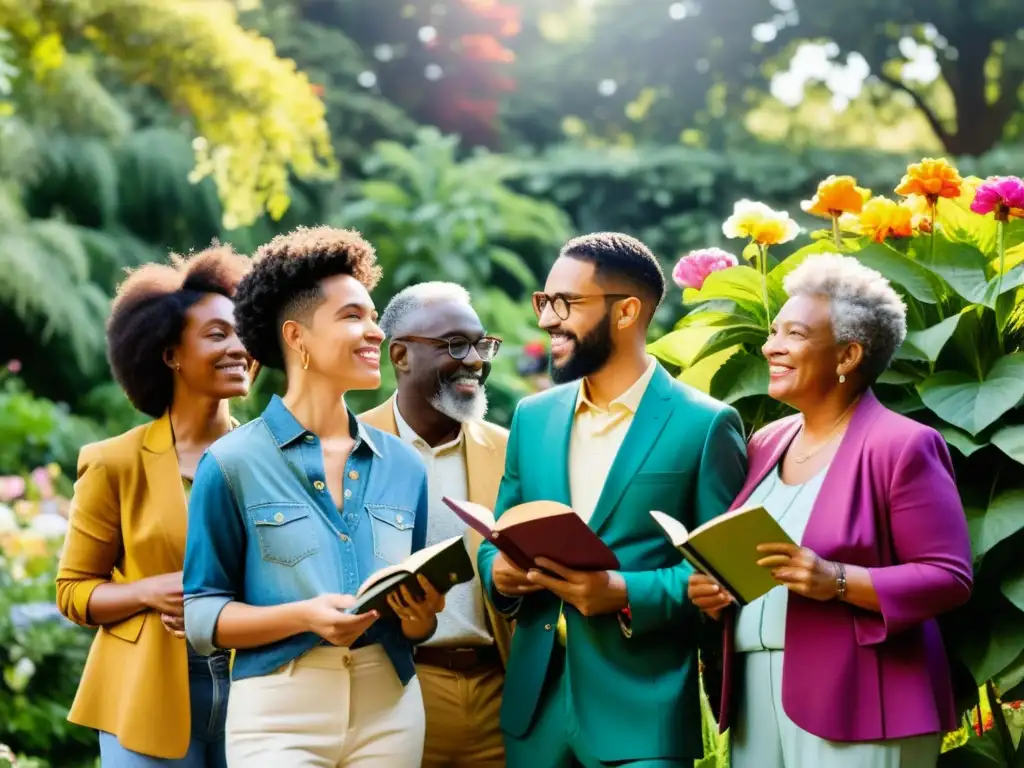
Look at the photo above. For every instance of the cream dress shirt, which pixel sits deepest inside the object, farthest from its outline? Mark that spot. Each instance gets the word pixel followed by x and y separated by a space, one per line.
pixel 596 437
pixel 463 622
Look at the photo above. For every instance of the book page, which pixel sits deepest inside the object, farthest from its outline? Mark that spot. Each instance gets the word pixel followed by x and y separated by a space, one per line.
pixel 676 531
pixel 532 510
pixel 410 565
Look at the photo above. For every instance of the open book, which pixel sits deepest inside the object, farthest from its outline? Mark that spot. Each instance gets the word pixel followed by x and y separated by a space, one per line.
pixel 726 549
pixel 444 565
pixel 539 529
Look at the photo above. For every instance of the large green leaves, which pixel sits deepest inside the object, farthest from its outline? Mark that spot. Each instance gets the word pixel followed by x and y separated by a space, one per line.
pixel 1010 440
pixel 743 375
pixel 964 401
pixel 962 266
pixel 914 278
pixel 742 285
pixel 926 345
pixel 1003 518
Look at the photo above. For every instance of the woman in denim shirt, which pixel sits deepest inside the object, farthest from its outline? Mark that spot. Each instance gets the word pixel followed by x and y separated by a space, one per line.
pixel 292 512
pixel 173 348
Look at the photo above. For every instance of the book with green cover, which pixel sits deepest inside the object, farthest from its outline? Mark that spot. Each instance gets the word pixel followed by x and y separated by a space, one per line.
pixel 726 549
pixel 444 565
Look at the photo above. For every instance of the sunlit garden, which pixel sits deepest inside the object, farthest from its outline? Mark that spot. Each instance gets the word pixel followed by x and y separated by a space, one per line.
pixel 468 140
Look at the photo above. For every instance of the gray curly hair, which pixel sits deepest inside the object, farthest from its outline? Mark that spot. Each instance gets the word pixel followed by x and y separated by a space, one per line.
pixel 865 308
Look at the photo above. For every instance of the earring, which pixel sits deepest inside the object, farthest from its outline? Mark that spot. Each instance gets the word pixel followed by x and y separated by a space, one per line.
pixel 177 366
pixel 305 360
pixel 842 378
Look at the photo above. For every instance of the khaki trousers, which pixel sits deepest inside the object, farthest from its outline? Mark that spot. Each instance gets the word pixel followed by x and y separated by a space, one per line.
pixel 462 717
pixel 331 708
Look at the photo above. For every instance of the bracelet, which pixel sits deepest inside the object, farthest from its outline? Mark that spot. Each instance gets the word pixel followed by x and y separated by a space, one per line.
pixel 840 581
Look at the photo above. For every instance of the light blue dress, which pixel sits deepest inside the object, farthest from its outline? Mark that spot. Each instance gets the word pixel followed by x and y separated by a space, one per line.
pixel 764 736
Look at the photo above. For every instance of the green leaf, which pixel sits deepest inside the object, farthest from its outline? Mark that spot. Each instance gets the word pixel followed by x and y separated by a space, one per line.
pixel 1010 440
pixel 987 651
pixel 681 347
pixel 926 345
pixel 513 263
pixel 985 751
pixel 896 378
pixel 974 405
pixel 962 266
pixel 732 336
pixel 915 279
pixel 1003 518
pixel 740 284
pixel 961 440
pixel 743 375
pixel 701 374
pixel 798 257
pixel 964 225
pixel 1012 585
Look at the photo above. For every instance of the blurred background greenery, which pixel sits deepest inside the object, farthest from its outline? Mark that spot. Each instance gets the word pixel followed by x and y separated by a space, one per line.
pixel 468 139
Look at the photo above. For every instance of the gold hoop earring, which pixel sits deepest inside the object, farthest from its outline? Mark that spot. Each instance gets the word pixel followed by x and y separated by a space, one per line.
pixel 305 360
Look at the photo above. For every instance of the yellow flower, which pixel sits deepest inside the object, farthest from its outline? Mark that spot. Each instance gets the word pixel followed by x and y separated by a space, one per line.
pixel 920 213
pixel 837 195
pixel 931 179
pixel 883 218
pixel 760 223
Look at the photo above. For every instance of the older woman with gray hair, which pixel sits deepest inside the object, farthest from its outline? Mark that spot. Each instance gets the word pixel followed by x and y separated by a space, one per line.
pixel 842 664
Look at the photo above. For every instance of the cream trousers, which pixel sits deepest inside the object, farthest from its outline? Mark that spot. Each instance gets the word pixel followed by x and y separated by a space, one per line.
pixel 331 708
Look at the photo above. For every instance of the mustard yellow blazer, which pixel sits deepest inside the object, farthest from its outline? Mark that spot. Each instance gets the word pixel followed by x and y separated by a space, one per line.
pixel 127 522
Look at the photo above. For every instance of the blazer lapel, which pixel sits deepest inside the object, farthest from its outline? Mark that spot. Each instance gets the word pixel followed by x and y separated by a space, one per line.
pixel 163 482
pixel 765 460
pixel 553 450
pixel 648 422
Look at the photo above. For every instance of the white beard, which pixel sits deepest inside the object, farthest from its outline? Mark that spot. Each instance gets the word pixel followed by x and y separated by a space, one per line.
pixel 458 407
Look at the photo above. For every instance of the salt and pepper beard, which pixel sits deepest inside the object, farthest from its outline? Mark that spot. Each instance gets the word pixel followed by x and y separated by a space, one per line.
pixel 457 406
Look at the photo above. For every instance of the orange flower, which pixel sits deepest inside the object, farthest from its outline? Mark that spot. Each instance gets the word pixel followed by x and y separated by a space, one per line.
pixel 837 195
pixel 883 218
pixel 931 179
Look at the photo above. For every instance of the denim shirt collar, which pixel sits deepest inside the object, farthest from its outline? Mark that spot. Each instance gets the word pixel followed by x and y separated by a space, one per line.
pixel 286 429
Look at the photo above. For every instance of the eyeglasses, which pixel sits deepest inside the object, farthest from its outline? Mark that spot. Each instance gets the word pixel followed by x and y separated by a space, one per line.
pixel 561 303
pixel 458 346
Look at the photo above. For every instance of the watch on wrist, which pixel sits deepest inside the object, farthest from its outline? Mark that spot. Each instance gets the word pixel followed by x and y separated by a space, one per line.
pixel 840 581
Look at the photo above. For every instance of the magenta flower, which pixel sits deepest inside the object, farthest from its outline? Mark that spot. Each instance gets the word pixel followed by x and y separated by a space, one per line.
pixel 693 269
pixel 1001 195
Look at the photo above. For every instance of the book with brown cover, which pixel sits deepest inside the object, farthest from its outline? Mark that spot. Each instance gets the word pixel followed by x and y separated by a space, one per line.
pixel 539 529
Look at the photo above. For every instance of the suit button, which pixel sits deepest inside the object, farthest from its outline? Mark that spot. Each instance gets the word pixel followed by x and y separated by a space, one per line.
pixel 343 537
pixel 353 475
pixel 279 518
pixel 548 627
pixel 319 485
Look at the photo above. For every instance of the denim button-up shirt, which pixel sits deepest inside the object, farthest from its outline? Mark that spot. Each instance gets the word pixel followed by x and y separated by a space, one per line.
pixel 264 530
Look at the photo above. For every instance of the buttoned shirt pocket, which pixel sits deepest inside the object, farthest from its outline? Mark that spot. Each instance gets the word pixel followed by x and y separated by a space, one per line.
pixel 286 532
pixel 392 531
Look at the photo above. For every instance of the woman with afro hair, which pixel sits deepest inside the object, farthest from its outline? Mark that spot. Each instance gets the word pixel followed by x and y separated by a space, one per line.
pixel 174 350
pixel 290 513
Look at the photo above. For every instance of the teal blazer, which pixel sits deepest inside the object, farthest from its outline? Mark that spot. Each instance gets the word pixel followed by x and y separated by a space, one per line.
pixel 635 697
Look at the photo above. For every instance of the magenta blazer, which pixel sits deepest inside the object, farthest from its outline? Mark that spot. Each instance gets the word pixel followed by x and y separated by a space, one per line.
pixel 888 503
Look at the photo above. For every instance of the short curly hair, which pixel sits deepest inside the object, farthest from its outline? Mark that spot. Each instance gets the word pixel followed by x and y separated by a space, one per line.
pixel 285 283
pixel 864 306
pixel 148 316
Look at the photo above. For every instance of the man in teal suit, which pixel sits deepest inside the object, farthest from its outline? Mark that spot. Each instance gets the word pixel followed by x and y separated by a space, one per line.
pixel 603 667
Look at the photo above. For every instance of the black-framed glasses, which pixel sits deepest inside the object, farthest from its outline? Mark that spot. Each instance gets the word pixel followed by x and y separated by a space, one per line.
pixel 458 346
pixel 561 303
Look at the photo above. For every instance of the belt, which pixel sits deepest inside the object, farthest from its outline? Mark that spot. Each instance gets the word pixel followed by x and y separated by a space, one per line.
pixel 458 659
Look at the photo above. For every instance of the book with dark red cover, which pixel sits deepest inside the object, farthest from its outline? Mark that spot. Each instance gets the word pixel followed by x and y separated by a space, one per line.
pixel 539 529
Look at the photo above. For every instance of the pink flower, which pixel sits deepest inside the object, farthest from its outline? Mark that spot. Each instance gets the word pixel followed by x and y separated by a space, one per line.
pixel 1001 195
pixel 43 482
pixel 693 269
pixel 14 366
pixel 12 487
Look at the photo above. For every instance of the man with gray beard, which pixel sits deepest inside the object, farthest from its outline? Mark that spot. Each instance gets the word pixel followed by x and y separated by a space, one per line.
pixel 442 356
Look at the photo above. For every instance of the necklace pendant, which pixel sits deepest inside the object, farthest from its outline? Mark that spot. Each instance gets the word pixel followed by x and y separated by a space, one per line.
pixel 800 459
